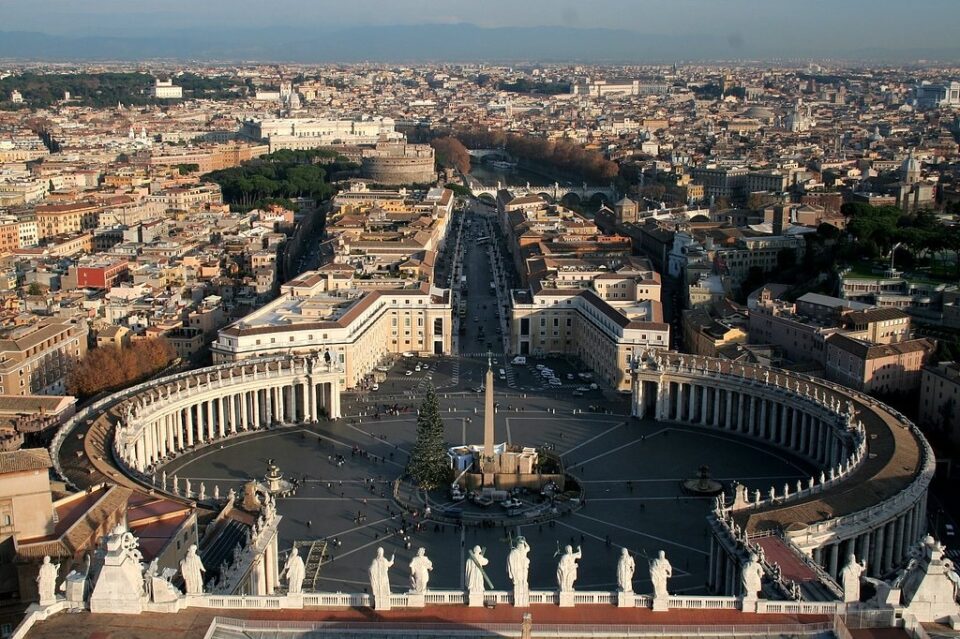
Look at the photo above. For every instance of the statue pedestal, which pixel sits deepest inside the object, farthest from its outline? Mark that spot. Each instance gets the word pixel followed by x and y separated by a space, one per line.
pixel 749 604
pixel 475 599
pixel 381 602
pixel 416 600
pixel 294 601
pixel 48 602
pixel 566 599
pixel 521 598
pixel 626 600
pixel 661 604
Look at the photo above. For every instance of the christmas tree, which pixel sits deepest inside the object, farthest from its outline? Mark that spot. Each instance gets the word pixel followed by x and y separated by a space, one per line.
pixel 428 461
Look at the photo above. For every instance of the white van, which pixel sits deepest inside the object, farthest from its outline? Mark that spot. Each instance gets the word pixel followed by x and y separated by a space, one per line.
pixel 518 360
pixel 503 374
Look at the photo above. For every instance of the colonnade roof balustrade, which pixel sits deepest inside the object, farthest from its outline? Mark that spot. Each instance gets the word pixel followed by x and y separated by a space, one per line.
pixel 897 453
pixel 102 418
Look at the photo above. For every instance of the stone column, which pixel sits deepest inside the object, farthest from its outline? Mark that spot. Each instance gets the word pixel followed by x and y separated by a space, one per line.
pixel 795 429
pixel 305 392
pixel 751 424
pixel 763 430
pixel 703 405
pixel 257 417
pixel 141 454
pixel 899 548
pixel 834 559
pixel 334 400
pixel 180 430
pixel 244 417
pixel 729 410
pixel 878 549
pixel 889 544
pixel 817 440
pixel 273 576
pixel 222 415
pixel 692 404
pixel 259 577
pixel 865 549
pixel 211 422
pixel 232 412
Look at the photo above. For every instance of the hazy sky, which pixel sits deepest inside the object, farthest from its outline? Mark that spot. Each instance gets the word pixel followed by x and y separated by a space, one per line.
pixel 894 24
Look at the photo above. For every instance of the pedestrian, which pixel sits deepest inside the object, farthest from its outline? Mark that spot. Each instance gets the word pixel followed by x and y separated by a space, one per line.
pixel 309 523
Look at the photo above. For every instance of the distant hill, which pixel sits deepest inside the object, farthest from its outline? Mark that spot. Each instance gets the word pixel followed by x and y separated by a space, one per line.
pixel 417 43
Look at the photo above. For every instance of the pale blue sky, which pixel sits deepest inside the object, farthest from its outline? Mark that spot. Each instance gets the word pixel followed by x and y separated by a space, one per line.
pixel 753 25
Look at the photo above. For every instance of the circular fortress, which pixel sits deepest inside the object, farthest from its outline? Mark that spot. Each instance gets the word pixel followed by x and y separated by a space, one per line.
pixel 394 163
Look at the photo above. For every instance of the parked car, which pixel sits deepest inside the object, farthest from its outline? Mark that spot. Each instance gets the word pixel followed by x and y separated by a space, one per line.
pixel 375 387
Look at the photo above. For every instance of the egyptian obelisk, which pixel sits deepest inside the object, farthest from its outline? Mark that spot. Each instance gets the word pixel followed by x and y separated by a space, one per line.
pixel 488 463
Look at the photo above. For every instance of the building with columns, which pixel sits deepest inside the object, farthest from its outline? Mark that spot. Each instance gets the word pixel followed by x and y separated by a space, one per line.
pixel 174 414
pixel 851 438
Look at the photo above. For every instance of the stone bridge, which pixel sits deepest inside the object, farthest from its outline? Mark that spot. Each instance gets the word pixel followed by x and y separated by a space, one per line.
pixel 482 154
pixel 554 191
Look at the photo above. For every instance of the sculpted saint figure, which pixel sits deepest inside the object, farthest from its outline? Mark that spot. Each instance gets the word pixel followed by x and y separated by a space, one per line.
pixel 660 571
pixel 518 565
pixel 295 572
pixel 474 570
pixel 567 569
pixel 625 568
pixel 420 567
pixel 191 569
pixel 751 577
pixel 850 579
pixel 379 579
pixel 47 581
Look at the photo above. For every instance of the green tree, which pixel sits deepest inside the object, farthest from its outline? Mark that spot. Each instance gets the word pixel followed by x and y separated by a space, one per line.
pixel 428 461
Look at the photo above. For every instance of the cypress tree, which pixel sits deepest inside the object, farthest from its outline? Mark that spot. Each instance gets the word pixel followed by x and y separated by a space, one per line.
pixel 429 466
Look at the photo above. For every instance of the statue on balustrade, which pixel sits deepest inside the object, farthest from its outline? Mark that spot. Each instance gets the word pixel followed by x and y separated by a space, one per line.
pixel 295 572
pixel 751 577
pixel 567 568
pixel 47 581
pixel 625 569
pixel 191 569
pixel 518 565
pixel 420 567
pixel 475 576
pixel 380 579
pixel 850 579
pixel 660 572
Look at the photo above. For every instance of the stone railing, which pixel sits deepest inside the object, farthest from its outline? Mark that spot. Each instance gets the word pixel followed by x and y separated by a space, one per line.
pixel 457 597
pixel 606 631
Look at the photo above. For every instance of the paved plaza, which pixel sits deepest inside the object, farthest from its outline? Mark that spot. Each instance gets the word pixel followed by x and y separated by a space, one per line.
pixel 630 470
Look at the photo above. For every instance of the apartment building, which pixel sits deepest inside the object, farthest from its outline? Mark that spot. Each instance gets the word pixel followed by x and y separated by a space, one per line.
pixel 939 407
pixel 877 368
pixel 35 359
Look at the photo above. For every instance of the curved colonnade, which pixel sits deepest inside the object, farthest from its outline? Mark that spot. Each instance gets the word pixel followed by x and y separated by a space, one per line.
pixel 178 413
pixel 868 498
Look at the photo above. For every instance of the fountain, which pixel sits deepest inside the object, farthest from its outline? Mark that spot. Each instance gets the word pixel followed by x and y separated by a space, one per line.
pixel 702 484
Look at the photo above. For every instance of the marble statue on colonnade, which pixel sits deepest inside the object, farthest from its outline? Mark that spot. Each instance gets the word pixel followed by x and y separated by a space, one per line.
pixel 660 572
pixel 192 569
pixel 47 582
pixel 751 578
pixel 518 569
pixel 625 568
pixel 567 568
pixel 295 572
pixel 850 579
pixel 420 567
pixel 380 580
pixel 475 576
